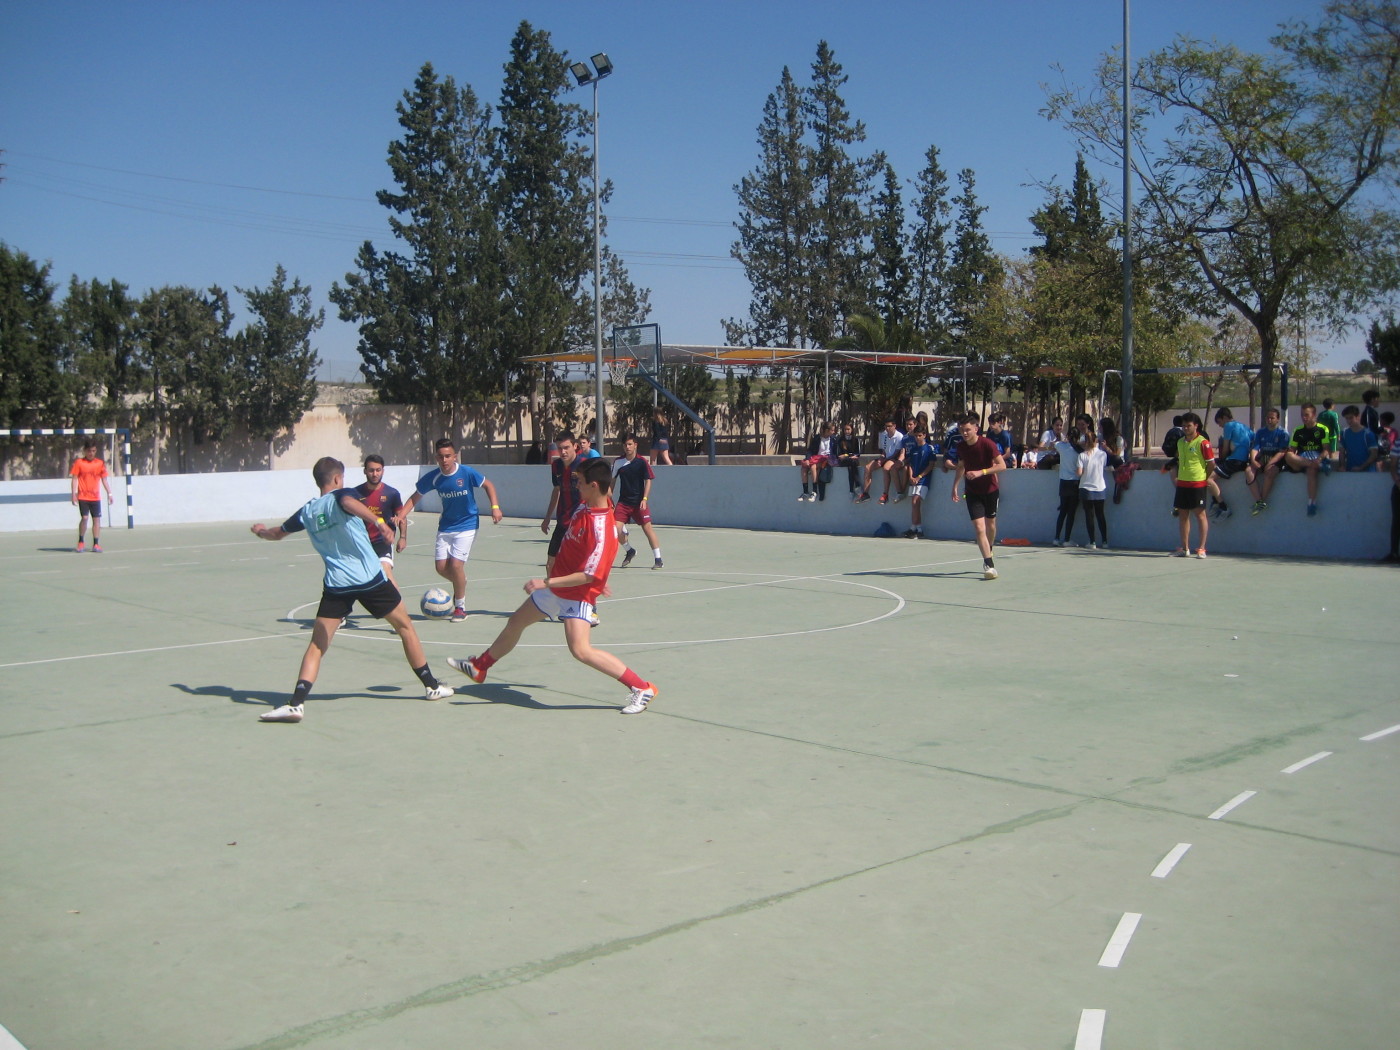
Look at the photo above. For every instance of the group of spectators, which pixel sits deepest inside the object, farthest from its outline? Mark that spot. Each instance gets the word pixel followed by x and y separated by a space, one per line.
pixel 1092 454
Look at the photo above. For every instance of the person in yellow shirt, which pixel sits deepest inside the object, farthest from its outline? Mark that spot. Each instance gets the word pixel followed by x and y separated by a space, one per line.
pixel 1195 460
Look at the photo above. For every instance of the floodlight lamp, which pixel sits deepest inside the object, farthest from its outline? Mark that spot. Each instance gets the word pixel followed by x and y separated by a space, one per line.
pixel 602 64
pixel 581 73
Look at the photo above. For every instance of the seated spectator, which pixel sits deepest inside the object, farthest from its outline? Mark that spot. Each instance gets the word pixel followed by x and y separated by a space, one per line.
pixel 846 448
pixel 1386 434
pixel 911 427
pixel 1266 459
pixel 819 454
pixel 1046 458
pixel 1308 453
pixel 1361 450
pixel 1232 457
pixel 996 430
pixel 890 462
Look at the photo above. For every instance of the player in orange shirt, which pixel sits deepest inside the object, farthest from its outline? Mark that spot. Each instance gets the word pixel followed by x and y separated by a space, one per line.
pixel 89 477
pixel 579 576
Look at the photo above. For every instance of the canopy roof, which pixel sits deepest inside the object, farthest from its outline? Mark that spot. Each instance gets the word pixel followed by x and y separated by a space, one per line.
pixel 750 357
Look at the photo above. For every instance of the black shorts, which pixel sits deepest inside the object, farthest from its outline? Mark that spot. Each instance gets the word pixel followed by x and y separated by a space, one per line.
pixel 383 549
pixel 556 539
pixel 981 505
pixel 1188 498
pixel 90 508
pixel 1228 468
pixel 379 600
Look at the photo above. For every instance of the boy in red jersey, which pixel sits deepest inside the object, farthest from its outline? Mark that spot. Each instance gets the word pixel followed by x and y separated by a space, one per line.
pixel 568 594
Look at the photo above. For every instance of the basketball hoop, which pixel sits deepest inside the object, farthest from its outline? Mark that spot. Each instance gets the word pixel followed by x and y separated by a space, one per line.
pixel 618 367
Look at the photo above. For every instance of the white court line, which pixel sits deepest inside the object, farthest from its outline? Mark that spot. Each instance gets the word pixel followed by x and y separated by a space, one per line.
pixel 7 1041
pixel 1090 1035
pixel 155 649
pixel 1306 762
pixel 1243 796
pixel 1167 863
pixel 1118 943
pixel 1380 733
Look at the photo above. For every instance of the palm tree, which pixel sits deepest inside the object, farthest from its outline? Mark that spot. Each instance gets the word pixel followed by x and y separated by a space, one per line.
pixel 886 387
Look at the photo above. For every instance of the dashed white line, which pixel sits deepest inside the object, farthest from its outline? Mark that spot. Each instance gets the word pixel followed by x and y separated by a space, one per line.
pixel 1118 943
pixel 1380 733
pixel 1090 1035
pixel 1167 863
pixel 1306 762
pixel 1243 796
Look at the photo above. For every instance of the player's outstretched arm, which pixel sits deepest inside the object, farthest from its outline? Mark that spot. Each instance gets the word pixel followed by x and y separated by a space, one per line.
pixel 262 532
pixel 401 518
pixel 490 491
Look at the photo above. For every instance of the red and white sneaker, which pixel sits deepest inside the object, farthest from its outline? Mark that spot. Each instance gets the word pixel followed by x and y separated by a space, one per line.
pixel 468 667
pixel 637 702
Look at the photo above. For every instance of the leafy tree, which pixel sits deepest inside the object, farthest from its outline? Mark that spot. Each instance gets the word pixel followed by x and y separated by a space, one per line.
pixel 276 355
pixel 775 222
pixel 930 250
pixel 890 296
pixel 100 329
pixel 886 387
pixel 1255 166
pixel 192 383
pixel 429 316
pixel 31 386
pixel 841 199
pixel 1383 345
pixel 972 271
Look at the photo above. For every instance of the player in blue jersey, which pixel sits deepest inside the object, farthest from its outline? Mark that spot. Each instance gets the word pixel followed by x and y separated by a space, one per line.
pixel 456 484
pixel 1232 456
pixel 1267 453
pixel 337 524
pixel 919 461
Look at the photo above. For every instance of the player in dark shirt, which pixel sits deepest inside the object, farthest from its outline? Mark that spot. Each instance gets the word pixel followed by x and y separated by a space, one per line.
pixel 385 501
pixel 979 463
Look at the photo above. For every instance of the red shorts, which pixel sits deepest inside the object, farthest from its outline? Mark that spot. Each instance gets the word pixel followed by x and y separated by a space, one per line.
pixel 625 513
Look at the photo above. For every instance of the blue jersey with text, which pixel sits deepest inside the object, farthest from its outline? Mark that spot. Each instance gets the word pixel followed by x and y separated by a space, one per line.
pixel 919 458
pixel 458 493
pixel 1267 442
pixel 341 540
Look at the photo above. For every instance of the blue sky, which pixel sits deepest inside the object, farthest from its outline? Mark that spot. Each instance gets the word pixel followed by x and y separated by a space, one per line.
pixel 206 142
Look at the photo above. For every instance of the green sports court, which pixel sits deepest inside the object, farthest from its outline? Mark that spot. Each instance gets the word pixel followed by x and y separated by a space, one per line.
pixel 1111 799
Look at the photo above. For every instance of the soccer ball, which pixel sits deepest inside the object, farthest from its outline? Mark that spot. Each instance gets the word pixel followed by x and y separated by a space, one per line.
pixel 436 603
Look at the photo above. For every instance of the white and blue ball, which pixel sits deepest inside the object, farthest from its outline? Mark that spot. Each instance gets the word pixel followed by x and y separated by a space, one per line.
pixel 436 603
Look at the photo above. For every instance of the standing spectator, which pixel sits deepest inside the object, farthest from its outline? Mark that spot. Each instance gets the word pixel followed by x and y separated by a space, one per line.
pixel 1232 457
pixel 1308 452
pixel 456 485
pixel 1093 487
pixel 634 478
pixel 919 463
pixel 1267 453
pixel 1330 420
pixel 1111 442
pixel 1194 458
pixel 1394 555
pixel 847 450
pixel 1369 417
pixel 820 455
pixel 890 461
pixel 660 437
pixel 1169 442
pixel 979 462
pixel 583 447
pixel 1361 450
pixel 1386 434
pixel 1068 453
pixel 89 477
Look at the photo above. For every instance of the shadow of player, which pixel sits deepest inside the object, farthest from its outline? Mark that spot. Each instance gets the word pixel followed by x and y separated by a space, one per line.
pixel 504 694
pixel 275 698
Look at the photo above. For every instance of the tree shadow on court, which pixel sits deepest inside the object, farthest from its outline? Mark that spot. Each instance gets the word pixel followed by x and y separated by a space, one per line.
pixel 277 697
pixel 504 694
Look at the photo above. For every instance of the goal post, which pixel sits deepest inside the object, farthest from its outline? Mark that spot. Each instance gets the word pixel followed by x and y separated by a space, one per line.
pixel 123 446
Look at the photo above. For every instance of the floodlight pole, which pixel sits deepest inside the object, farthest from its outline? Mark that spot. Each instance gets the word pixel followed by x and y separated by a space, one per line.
pixel 1125 403
pixel 602 67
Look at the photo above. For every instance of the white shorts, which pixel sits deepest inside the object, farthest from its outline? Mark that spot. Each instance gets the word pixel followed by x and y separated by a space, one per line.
pixel 919 492
pixel 454 545
pixel 561 609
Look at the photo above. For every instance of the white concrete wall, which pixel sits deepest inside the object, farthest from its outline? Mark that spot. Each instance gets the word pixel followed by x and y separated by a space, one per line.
pixel 1353 522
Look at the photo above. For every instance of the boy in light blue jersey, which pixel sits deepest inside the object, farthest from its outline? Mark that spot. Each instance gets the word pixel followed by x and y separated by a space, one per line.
pixel 1267 453
pixel 456 485
pixel 352 574
pixel 1232 457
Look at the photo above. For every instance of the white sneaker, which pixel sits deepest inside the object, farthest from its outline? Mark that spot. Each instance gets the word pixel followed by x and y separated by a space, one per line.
pixel 637 702
pixel 989 573
pixel 439 692
pixel 1057 543
pixel 897 497
pixel 468 667
pixel 285 713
